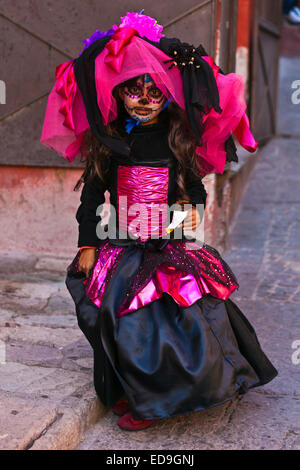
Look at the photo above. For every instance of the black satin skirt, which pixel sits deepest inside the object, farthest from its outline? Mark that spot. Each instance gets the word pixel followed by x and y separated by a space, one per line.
pixel 165 359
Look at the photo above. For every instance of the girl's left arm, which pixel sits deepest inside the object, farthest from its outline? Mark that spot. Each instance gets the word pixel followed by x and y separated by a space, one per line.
pixel 196 193
pixel 195 190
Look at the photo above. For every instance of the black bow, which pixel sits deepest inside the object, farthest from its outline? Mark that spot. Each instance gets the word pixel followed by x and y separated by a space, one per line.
pixel 152 244
pixel 199 83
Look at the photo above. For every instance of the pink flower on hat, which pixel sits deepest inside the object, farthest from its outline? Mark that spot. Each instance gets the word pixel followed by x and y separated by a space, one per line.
pixel 145 25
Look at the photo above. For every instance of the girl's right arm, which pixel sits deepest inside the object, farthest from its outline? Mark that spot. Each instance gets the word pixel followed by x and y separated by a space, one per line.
pixel 91 197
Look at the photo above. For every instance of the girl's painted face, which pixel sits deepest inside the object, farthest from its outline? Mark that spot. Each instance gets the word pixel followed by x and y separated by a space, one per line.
pixel 142 99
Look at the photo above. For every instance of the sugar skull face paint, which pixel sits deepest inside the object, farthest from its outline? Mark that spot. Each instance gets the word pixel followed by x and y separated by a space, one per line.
pixel 142 99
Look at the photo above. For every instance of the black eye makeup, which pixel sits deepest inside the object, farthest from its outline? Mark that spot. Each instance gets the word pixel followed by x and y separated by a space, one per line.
pixel 154 95
pixel 135 91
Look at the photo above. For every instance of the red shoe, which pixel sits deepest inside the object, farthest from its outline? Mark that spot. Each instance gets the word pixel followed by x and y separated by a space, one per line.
pixel 121 407
pixel 130 424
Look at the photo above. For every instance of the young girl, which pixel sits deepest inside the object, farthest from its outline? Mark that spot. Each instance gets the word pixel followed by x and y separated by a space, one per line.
pixel 152 116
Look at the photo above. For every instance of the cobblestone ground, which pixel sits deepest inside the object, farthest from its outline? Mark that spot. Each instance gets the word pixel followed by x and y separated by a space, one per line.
pixel 45 362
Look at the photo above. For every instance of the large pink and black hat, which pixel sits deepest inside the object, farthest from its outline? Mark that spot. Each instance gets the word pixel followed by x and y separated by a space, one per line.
pixel 82 96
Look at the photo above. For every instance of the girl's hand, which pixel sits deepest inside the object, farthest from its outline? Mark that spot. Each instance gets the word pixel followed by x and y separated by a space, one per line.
pixel 86 260
pixel 192 220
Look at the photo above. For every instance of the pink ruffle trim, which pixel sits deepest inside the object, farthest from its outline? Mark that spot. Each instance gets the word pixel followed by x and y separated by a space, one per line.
pixel 183 287
pixel 219 127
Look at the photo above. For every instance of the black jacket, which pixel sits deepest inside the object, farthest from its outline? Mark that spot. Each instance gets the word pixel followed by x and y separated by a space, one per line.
pixel 149 147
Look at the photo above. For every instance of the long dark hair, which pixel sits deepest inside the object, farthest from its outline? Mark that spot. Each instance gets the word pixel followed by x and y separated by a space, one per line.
pixel 180 137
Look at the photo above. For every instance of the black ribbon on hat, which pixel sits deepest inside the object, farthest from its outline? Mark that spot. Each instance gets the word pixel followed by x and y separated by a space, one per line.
pixel 84 69
pixel 199 83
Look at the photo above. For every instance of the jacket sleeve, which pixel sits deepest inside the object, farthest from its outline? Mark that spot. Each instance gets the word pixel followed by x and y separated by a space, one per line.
pixel 195 190
pixel 91 197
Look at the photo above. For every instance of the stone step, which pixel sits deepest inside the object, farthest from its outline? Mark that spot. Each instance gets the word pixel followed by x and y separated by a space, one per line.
pixel 47 397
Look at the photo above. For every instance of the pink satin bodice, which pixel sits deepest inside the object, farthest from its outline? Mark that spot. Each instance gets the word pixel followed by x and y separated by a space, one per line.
pixel 142 200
